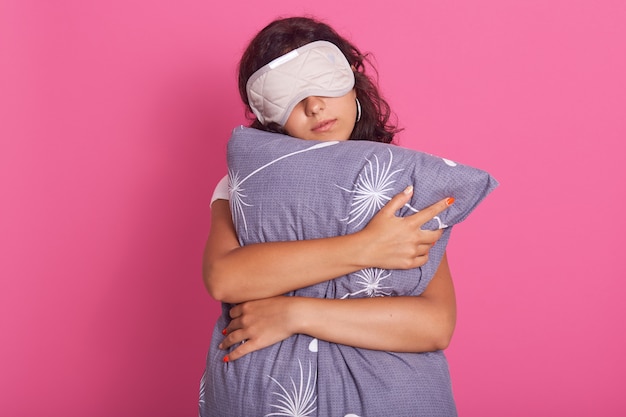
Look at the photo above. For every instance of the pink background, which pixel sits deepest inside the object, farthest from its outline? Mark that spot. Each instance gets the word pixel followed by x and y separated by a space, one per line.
pixel 113 120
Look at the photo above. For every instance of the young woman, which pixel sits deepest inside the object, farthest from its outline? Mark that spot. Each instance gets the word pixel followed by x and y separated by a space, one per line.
pixel 251 280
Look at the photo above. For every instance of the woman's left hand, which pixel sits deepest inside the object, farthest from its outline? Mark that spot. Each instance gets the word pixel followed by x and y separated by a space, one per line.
pixel 260 323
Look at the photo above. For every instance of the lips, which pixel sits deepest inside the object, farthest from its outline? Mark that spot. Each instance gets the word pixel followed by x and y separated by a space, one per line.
pixel 324 125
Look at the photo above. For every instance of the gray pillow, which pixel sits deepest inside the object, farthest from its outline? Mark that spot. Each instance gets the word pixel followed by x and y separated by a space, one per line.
pixel 283 188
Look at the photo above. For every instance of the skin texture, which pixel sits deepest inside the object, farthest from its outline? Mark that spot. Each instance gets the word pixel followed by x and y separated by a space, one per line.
pixel 323 118
pixel 255 276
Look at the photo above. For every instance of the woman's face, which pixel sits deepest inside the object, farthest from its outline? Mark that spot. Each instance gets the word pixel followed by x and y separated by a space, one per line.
pixel 323 118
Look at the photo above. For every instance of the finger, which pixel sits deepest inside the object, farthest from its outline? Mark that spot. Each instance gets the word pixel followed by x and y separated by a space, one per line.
pixel 421 260
pixel 233 325
pixel 424 248
pixel 430 237
pixel 398 201
pixel 240 351
pixel 423 216
pixel 234 337
pixel 235 311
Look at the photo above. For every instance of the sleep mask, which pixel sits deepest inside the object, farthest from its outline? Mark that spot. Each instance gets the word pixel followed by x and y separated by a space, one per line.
pixel 316 69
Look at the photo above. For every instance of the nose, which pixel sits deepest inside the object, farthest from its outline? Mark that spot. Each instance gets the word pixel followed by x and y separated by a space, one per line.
pixel 313 105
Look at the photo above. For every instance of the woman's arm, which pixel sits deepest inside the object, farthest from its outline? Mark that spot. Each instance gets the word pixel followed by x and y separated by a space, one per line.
pixel 400 324
pixel 237 274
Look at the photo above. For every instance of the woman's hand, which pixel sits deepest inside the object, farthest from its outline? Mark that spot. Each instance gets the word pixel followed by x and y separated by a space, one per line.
pixel 259 323
pixel 387 242
pixel 421 323
pixel 399 242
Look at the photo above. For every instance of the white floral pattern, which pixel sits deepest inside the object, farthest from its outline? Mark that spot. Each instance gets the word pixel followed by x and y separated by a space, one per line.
pixel 300 400
pixel 236 191
pixel 371 279
pixel 202 388
pixel 372 191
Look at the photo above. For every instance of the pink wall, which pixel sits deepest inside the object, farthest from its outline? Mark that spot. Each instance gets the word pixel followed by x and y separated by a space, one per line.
pixel 114 117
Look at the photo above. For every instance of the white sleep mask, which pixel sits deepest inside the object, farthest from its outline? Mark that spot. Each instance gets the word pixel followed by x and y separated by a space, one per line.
pixel 316 69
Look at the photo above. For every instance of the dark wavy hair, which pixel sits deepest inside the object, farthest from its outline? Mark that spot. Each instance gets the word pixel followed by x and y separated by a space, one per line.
pixel 284 35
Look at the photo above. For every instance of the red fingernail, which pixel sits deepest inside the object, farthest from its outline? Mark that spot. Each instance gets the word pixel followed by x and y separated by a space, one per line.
pixel 226 359
pixel 449 201
pixel 224 332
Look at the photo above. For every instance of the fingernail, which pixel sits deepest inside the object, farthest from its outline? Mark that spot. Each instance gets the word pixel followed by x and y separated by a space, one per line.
pixel 224 332
pixel 450 200
pixel 226 359
pixel 408 190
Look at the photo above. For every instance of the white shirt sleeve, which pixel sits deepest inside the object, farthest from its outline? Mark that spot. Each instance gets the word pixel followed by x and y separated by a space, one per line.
pixel 221 190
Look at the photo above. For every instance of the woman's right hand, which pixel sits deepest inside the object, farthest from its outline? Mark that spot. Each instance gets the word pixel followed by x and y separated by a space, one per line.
pixel 394 242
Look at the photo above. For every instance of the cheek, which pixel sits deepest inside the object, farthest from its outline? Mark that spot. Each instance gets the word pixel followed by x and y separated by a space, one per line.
pixel 290 121
pixel 349 105
pixel 293 125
